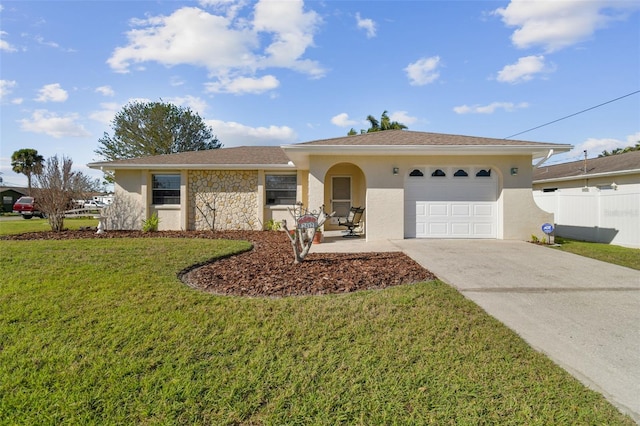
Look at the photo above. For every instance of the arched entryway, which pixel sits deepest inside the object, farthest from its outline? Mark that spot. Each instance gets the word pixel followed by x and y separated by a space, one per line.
pixel 344 187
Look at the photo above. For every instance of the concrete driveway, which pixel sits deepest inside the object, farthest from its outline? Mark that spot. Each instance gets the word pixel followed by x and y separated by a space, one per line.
pixel 582 313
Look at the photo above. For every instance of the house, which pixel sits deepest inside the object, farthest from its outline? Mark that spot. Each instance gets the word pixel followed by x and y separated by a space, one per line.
pixel 10 195
pixel 594 199
pixel 411 184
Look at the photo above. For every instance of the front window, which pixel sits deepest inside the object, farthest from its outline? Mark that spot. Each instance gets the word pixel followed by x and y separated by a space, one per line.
pixel 166 189
pixel 281 189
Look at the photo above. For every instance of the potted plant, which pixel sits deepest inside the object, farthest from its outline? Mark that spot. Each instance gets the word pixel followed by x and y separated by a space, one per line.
pixel 317 237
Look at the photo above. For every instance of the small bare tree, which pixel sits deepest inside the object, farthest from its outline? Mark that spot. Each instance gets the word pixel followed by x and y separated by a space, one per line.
pixel 208 210
pixel 307 222
pixel 57 185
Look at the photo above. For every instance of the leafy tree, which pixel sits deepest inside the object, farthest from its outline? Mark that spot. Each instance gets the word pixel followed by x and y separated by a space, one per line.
pixel 385 123
pixel 57 185
pixel 153 128
pixel 28 162
pixel 617 151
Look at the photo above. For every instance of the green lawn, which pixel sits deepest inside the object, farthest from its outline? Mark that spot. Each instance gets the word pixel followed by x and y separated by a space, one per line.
pixel 617 255
pixel 102 332
pixel 20 225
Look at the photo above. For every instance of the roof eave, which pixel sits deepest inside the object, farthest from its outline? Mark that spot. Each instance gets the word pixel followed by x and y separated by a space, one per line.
pixel 588 176
pixel 300 154
pixel 207 166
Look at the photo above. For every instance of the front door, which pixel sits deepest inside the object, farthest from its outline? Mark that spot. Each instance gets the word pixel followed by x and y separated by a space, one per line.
pixel 341 195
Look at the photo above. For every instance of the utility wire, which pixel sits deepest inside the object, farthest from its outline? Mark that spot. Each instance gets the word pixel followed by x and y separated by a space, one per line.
pixel 574 114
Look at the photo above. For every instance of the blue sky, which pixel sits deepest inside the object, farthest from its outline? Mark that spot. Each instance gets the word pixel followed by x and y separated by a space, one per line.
pixel 281 72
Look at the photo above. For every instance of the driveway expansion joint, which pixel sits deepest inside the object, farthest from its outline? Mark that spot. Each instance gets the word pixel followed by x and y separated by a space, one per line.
pixel 546 289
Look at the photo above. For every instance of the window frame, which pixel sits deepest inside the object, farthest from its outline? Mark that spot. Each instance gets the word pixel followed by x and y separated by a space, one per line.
pixel 168 195
pixel 288 194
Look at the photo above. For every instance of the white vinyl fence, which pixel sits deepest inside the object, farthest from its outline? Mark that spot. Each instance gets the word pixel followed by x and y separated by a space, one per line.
pixel 593 214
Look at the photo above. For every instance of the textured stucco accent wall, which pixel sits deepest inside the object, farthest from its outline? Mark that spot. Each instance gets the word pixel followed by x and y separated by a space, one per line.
pixel 233 195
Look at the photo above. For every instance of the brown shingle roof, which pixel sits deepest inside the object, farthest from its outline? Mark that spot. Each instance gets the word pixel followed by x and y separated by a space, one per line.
pixel 242 155
pixel 275 157
pixel 609 164
pixel 411 138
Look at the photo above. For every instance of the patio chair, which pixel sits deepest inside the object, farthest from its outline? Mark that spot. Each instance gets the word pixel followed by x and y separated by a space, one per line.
pixel 352 221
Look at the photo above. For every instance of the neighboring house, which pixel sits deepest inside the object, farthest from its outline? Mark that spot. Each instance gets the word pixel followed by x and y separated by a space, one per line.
pixel 9 196
pixel 593 200
pixel 411 184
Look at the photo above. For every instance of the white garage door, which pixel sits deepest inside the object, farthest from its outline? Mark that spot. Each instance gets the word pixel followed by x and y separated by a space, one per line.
pixel 452 202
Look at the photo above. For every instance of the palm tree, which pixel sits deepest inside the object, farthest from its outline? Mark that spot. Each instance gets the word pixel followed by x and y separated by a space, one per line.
pixel 28 162
pixel 385 123
pixel 375 124
pixel 617 151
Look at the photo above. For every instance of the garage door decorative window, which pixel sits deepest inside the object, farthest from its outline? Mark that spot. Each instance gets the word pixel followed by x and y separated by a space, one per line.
pixel 455 202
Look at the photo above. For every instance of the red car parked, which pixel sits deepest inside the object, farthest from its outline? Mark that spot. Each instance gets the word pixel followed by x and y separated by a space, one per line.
pixel 27 207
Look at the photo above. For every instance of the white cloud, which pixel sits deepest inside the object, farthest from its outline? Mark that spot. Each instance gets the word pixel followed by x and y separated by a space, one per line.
pixel 52 93
pixel 187 36
pixel 194 103
pixel 423 71
pixel 595 146
pixel 292 30
pixel 105 91
pixel 42 41
pixel 402 117
pixel 524 70
pixel 5 45
pixel 49 123
pixel 6 87
pixel 490 108
pixel 555 25
pixel 229 48
pixel 229 7
pixel 366 24
pixel 243 85
pixel 176 81
pixel 106 114
pixel 235 134
pixel 342 120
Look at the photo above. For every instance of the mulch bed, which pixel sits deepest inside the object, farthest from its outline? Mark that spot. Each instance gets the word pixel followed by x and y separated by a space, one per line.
pixel 268 269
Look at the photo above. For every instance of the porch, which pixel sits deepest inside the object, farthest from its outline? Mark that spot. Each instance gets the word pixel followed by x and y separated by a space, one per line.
pixel 334 243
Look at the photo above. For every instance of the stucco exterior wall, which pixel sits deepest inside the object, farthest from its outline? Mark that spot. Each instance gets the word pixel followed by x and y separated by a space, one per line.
pixel 518 215
pixel 238 195
pixel 223 200
pixel 522 216
pixel 128 208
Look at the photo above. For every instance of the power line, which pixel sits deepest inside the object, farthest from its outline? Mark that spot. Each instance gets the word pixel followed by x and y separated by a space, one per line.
pixel 574 114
